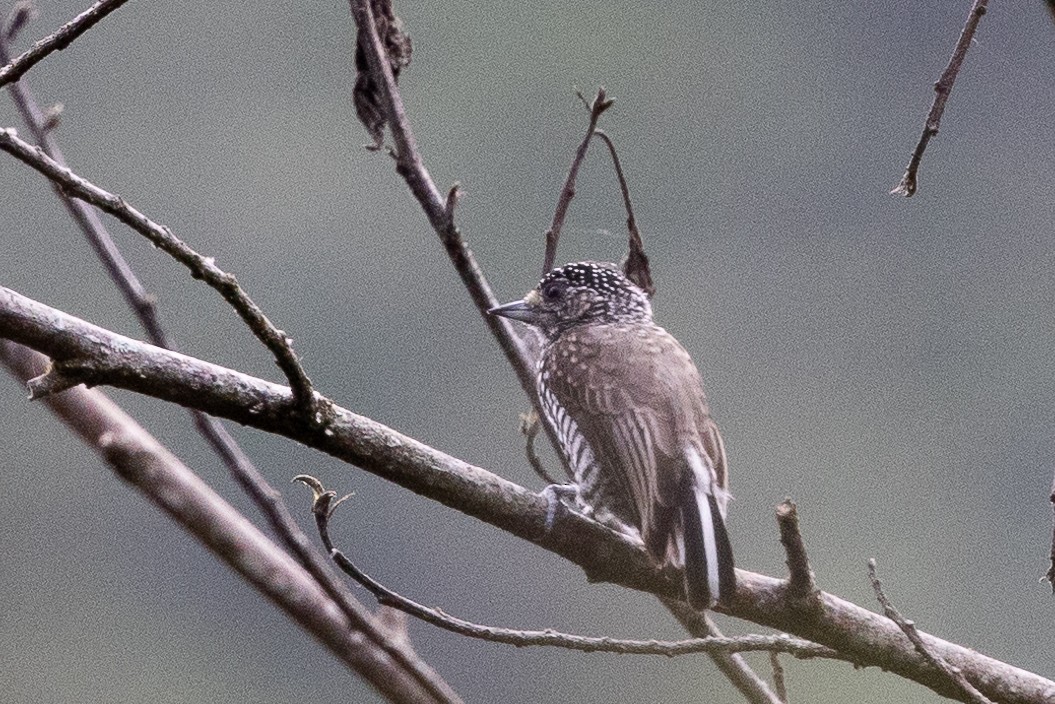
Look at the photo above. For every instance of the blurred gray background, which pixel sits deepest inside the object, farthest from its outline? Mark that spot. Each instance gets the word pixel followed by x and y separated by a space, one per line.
pixel 888 363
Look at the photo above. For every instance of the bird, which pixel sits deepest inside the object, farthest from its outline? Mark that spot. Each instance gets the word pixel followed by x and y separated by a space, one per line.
pixel 629 409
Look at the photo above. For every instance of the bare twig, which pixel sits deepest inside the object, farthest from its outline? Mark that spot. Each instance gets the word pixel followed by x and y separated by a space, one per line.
pixel 59 40
pixel 529 427
pixel 595 108
pixel 77 347
pixel 201 267
pixel 778 676
pixel 22 13
pixel 801 583
pixel 138 458
pixel 955 674
pixel 1050 575
pixel 636 266
pixel 323 509
pixel 942 89
pixel 86 217
pixel 699 624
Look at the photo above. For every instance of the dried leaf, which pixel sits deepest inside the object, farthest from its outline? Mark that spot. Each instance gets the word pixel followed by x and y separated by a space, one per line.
pixel 369 105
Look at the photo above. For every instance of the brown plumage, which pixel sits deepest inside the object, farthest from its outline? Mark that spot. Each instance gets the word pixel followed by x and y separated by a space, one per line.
pixel 629 407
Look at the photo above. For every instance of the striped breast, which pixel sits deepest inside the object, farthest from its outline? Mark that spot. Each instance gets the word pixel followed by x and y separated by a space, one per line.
pixel 598 490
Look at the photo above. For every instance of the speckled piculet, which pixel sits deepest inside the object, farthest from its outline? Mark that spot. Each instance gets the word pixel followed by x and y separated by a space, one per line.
pixel 629 408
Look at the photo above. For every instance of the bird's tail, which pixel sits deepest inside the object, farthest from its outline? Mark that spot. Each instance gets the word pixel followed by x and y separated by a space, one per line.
pixel 709 575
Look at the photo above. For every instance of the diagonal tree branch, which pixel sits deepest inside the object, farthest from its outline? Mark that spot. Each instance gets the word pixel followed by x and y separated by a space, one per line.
pixel 59 40
pixel 942 90
pixel 84 352
pixel 356 638
pixel 520 351
pixel 970 694
pixel 144 305
pixel 201 267
pixel 636 266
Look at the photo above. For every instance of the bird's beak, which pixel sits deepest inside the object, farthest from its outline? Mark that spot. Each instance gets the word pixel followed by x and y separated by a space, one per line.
pixel 517 310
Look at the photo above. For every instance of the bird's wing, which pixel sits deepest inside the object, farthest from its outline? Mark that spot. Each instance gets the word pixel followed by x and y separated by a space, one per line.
pixel 636 398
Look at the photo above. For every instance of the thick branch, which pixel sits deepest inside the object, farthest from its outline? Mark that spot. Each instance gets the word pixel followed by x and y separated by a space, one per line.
pixel 57 41
pixel 88 352
pixel 139 459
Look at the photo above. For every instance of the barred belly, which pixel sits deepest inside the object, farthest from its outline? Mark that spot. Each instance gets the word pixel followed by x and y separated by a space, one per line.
pixel 598 492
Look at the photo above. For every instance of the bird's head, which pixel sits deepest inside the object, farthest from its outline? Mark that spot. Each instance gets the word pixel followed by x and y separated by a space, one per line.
pixel 577 294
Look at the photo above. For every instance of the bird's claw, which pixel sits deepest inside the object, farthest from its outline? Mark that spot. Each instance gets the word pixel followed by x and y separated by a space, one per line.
pixel 554 493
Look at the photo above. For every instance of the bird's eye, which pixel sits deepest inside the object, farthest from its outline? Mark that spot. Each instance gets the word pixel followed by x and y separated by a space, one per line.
pixel 551 292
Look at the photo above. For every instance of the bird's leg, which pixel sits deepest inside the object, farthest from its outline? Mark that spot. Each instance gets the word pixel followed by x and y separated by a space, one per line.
pixel 555 495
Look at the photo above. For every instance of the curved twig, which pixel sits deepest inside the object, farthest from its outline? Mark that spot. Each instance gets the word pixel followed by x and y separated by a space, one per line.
pixel 636 266
pixel 323 509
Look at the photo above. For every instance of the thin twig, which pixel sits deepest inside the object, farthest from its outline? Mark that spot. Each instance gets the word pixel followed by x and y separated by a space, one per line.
pixel 59 40
pixel 323 509
pixel 529 427
pixel 954 674
pixel 636 266
pixel 801 582
pixel 201 267
pixel 942 89
pixel 1050 576
pixel 778 676
pixel 733 666
pixel 595 108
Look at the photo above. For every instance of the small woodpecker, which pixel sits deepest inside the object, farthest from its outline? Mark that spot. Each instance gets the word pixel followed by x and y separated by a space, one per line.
pixel 632 418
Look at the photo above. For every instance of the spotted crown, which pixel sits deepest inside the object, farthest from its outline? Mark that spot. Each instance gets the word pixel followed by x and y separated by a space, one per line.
pixel 585 292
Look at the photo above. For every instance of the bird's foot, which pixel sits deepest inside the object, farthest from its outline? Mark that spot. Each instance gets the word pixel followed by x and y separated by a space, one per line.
pixel 555 495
